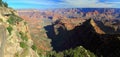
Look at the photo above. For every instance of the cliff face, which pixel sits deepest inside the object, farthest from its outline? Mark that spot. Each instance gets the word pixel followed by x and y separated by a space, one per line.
pixel 88 35
pixel 96 28
pixel 15 39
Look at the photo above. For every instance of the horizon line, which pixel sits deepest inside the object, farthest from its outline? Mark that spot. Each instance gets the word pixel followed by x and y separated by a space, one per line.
pixel 62 8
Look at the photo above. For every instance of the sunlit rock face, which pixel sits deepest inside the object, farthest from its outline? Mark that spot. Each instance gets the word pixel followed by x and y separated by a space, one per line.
pixel 97 29
pixel 15 39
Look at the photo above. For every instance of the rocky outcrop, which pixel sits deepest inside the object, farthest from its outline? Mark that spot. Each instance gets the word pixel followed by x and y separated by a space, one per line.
pixel 96 28
pixel 15 38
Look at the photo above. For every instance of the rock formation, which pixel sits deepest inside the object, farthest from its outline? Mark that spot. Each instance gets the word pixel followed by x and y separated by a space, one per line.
pixel 15 39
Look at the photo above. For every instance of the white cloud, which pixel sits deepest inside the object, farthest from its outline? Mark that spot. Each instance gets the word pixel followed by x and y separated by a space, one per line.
pixel 113 2
pixel 88 3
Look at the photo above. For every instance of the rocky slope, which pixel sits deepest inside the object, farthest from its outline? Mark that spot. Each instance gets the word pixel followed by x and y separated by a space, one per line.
pixel 15 39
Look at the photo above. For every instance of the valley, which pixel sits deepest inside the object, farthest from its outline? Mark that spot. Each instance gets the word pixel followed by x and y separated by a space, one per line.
pixel 96 29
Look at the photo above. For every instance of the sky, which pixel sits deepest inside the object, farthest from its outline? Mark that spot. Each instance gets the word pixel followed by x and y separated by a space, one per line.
pixel 20 4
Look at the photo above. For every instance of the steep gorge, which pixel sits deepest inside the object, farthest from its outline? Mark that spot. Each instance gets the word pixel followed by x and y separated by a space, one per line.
pixel 69 32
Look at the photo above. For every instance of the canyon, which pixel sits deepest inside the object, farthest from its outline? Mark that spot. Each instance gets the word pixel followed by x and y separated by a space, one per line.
pixel 96 29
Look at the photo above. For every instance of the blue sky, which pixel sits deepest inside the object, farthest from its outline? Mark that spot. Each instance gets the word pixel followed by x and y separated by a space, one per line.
pixel 18 4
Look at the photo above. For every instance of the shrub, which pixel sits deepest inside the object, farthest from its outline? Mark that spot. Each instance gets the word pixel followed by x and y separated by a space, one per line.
pixel 23 45
pixel 25 23
pixel 5 4
pixel 34 47
pixel 23 36
pixel 77 52
pixel 0 2
pixel 1 20
pixel 13 19
pixel 16 55
pixel 9 29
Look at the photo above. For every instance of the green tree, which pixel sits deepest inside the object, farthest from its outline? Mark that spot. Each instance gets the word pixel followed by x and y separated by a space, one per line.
pixel 13 19
pixel 0 2
pixel 34 47
pixel 23 45
pixel 23 36
pixel 5 4
pixel 77 52
pixel 9 29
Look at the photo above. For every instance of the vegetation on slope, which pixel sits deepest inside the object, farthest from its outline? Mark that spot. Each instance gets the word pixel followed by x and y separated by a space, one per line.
pixel 77 52
pixel 34 47
pixel 9 29
pixel 13 19
pixel 23 36
pixel 15 39
pixel 3 4
pixel 23 45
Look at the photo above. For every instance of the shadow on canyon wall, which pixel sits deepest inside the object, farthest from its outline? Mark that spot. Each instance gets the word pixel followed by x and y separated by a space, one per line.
pixel 84 35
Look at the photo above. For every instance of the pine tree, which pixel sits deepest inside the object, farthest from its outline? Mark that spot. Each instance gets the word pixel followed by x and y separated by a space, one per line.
pixel 0 2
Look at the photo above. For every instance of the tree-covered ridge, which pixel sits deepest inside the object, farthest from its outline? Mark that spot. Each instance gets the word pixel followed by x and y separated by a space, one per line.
pixel 77 52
